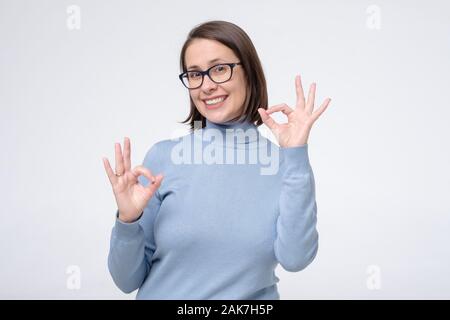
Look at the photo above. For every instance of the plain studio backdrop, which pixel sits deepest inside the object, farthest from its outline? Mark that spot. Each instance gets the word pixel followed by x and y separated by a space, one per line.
pixel 78 76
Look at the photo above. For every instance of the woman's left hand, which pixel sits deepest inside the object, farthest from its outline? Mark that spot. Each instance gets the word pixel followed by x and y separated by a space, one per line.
pixel 295 132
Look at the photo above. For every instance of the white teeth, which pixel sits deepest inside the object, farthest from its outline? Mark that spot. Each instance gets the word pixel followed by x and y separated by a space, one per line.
pixel 214 101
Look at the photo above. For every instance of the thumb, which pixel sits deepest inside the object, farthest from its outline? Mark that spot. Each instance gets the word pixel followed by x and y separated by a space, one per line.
pixel 155 183
pixel 268 120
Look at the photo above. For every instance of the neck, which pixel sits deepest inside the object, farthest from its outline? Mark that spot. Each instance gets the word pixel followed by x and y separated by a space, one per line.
pixel 242 133
pixel 229 125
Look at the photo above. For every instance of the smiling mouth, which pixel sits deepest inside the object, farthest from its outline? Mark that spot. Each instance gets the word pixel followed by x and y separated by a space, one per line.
pixel 217 102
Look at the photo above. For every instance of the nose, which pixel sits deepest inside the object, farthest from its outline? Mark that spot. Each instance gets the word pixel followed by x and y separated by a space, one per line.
pixel 208 85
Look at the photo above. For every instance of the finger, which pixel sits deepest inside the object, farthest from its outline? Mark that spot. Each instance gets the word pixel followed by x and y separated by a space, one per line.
pixel 152 187
pixel 299 91
pixel 322 108
pixel 126 154
pixel 311 97
pixel 268 121
pixel 119 159
pixel 109 171
pixel 143 171
pixel 280 107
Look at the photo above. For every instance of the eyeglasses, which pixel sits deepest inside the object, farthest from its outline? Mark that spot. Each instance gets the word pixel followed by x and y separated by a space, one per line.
pixel 219 73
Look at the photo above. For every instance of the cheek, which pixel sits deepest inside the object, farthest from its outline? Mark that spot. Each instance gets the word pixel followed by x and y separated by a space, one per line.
pixel 238 89
pixel 239 96
pixel 195 96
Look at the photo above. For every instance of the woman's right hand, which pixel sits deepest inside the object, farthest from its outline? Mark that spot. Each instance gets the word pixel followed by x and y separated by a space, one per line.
pixel 131 196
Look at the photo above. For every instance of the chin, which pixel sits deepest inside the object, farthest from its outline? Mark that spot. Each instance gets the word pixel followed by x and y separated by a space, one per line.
pixel 217 118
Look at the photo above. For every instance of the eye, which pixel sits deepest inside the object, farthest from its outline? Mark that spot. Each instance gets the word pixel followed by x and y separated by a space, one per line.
pixel 219 68
pixel 194 75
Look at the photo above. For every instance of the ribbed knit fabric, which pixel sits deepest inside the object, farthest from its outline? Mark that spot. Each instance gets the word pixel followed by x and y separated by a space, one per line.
pixel 215 229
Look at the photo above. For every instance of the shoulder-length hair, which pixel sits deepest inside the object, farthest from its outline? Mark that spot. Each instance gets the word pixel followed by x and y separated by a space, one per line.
pixel 237 40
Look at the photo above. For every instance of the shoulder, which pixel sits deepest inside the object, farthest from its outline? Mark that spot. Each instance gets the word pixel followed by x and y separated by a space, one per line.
pixel 159 153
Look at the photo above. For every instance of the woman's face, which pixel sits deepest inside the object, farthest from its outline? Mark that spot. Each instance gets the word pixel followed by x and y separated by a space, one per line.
pixel 202 54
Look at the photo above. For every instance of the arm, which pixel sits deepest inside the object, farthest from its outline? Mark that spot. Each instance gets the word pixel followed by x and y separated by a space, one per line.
pixel 297 239
pixel 296 243
pixel 132 244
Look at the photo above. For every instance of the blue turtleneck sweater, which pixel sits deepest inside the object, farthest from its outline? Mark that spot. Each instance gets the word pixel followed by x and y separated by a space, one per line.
pixel 227 212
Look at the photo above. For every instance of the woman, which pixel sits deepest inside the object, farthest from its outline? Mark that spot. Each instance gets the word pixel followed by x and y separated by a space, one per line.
pixel 211 230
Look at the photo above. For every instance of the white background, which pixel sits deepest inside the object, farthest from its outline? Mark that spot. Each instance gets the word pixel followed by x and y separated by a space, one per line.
pixel 380 153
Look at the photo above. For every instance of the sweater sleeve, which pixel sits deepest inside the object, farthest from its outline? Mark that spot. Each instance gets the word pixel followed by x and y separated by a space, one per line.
pixel 132 244
pixel 296 241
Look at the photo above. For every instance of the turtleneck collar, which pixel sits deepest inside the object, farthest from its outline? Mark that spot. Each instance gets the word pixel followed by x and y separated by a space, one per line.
pixel 231 128
pixel 229 125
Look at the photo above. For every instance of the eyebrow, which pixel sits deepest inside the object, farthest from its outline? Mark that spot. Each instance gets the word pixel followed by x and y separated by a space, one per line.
pixel 210 62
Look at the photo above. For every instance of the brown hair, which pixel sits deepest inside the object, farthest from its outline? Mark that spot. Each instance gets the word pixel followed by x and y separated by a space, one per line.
pixel 237 40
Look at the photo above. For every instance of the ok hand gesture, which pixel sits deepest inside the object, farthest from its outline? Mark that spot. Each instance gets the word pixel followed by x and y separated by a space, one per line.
pixel 300 120
pixel 131 196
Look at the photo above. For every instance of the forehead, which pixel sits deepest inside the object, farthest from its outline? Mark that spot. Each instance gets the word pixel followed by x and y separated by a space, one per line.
pixel 201 53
